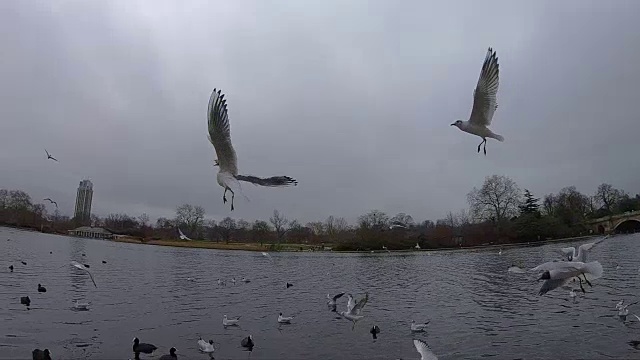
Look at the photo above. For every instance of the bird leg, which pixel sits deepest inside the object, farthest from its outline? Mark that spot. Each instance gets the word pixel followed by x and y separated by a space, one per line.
pixel 581 288
pixel 585 279
pixel 224 196
pixel 484 141
pixel 233 195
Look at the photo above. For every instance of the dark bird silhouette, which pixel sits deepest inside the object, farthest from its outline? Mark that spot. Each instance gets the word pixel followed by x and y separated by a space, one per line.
pixel 375 330
pixel 289 285
pixel 87 265
pixel 41 354
pixel 24 300
pixel 51 201
pixel 248 342
pixel 104 262
pixel 41 288
pixel 11 268
pixel 171 356
pixel 49 156
pixel 144 348
pixel 23 262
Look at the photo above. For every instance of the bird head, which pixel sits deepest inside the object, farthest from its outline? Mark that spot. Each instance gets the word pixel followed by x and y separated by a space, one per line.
pixel 216 163
pixel 135 340
pixel 211 342
pixel 545 276
pixel 172 351
pixel 457 124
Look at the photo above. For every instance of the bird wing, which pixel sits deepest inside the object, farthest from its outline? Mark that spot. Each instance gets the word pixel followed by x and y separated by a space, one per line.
pixel 336 297
pixel 584 248
pixel 91 276
pixel 424 350
pixel 48 155
pixel 360 304
pixel 270 181
pixel 220 132
pixel 484 97
pixel 350 303
pixel 551 284
pixel 568 251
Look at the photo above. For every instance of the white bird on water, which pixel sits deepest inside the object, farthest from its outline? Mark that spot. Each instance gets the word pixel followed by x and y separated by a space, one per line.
pixel 284 319
pixel 583 250
pixel 81 306
pixel 484 102
pixel 220 138
pixel 84 268
pixel 418 327
pixel 230 322
pixel 206 347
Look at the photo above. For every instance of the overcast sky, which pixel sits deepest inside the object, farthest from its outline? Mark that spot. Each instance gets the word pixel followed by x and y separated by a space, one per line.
pixel 352 98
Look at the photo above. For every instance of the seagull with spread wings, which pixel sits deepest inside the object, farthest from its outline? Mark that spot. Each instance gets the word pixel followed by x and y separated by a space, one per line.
pixel 583 250
pixel 182 235
pixel 84 268
pixel 220 137
pixel 354 309
pixel 484 103
pixel 49 156
pixel 51 201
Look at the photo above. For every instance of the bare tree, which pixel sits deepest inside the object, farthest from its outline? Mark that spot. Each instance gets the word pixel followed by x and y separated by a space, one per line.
pixel 243 224
pixel 340 224
pixel 608 197
pixel 227 225
pixel 260 230
pixel 498 199
pixel 402 218
pixel 549 205
pixel 317 227
pixel 374 219
pixel 279 223
pixel 143 219
pixel 190 216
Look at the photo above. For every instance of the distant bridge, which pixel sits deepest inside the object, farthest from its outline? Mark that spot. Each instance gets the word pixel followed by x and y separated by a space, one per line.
pixel 628 222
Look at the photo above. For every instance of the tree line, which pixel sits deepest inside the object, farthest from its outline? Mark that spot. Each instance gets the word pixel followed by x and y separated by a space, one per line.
pixel 499 212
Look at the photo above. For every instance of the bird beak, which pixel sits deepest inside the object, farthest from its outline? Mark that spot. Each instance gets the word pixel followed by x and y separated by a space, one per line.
pixel 453 124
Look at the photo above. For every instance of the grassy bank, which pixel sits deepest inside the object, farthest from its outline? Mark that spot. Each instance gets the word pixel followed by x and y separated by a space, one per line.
pixel 201 244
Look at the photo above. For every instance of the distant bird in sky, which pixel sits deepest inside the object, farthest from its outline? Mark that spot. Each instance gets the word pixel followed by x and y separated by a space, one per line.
pixel 182 235
pixel 424 350
pixel 51 201
pixel 49 156
pixel 38 354
pixel 583 250
pixel 484 102
pixel 220 138
pixel 562 272
pixel 84 268
pixel 171 356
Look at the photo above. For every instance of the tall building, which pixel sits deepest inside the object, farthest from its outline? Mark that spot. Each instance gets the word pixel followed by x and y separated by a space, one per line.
pixel 82 214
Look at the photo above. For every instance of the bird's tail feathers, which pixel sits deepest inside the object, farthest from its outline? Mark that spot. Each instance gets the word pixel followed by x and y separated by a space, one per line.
pixel 593 270
pixel 498 137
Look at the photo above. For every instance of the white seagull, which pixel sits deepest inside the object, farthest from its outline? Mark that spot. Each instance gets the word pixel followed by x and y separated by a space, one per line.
pixel 206 347
pixel 331 300
pixel 284 319
pixel 418 327
pixel 220 138
pixel 182 235
pixel 230 322
pixel 81 306
pixel 565 271
pixel 484 102
pixel 583 250
pixel 424 350
pixel 354 309
pixel 84 268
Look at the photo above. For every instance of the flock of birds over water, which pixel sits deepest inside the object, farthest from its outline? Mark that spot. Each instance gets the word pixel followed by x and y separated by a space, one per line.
pixel 570 271
pixel 573 273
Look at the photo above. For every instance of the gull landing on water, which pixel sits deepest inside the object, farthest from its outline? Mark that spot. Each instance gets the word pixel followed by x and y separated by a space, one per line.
pixel 484 102
pixel 220 138
pixel 84 268
pixel 354 309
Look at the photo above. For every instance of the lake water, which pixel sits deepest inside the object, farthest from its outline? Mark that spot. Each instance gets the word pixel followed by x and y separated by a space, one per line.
pixel 476 309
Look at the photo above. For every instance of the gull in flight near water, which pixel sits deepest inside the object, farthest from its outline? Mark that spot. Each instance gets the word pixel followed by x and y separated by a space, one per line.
pixel 583 250
pixel 49 156
pixel 182 235
pixel 484 102
pixel 559 274
pixel 424 350
pixel 51 201
pixel 84 268
pixel 220 138
pixel 354 309
pixel 331 301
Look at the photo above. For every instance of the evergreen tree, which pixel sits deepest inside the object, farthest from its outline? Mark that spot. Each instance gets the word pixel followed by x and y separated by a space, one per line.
pixel 530 205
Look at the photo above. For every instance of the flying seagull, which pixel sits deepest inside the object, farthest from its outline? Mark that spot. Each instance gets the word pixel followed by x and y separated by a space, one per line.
pixel 424 350
pixel 49 156
pixel 565 271
pixel 51 201
pixel 182 235
pixel 220 138
pixel 484 102
pixel 354 309
pixel 331 300
pixel 583 250
pixel 82 267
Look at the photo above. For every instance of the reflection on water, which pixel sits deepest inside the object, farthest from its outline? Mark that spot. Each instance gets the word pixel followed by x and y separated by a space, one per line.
pixel 476 308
